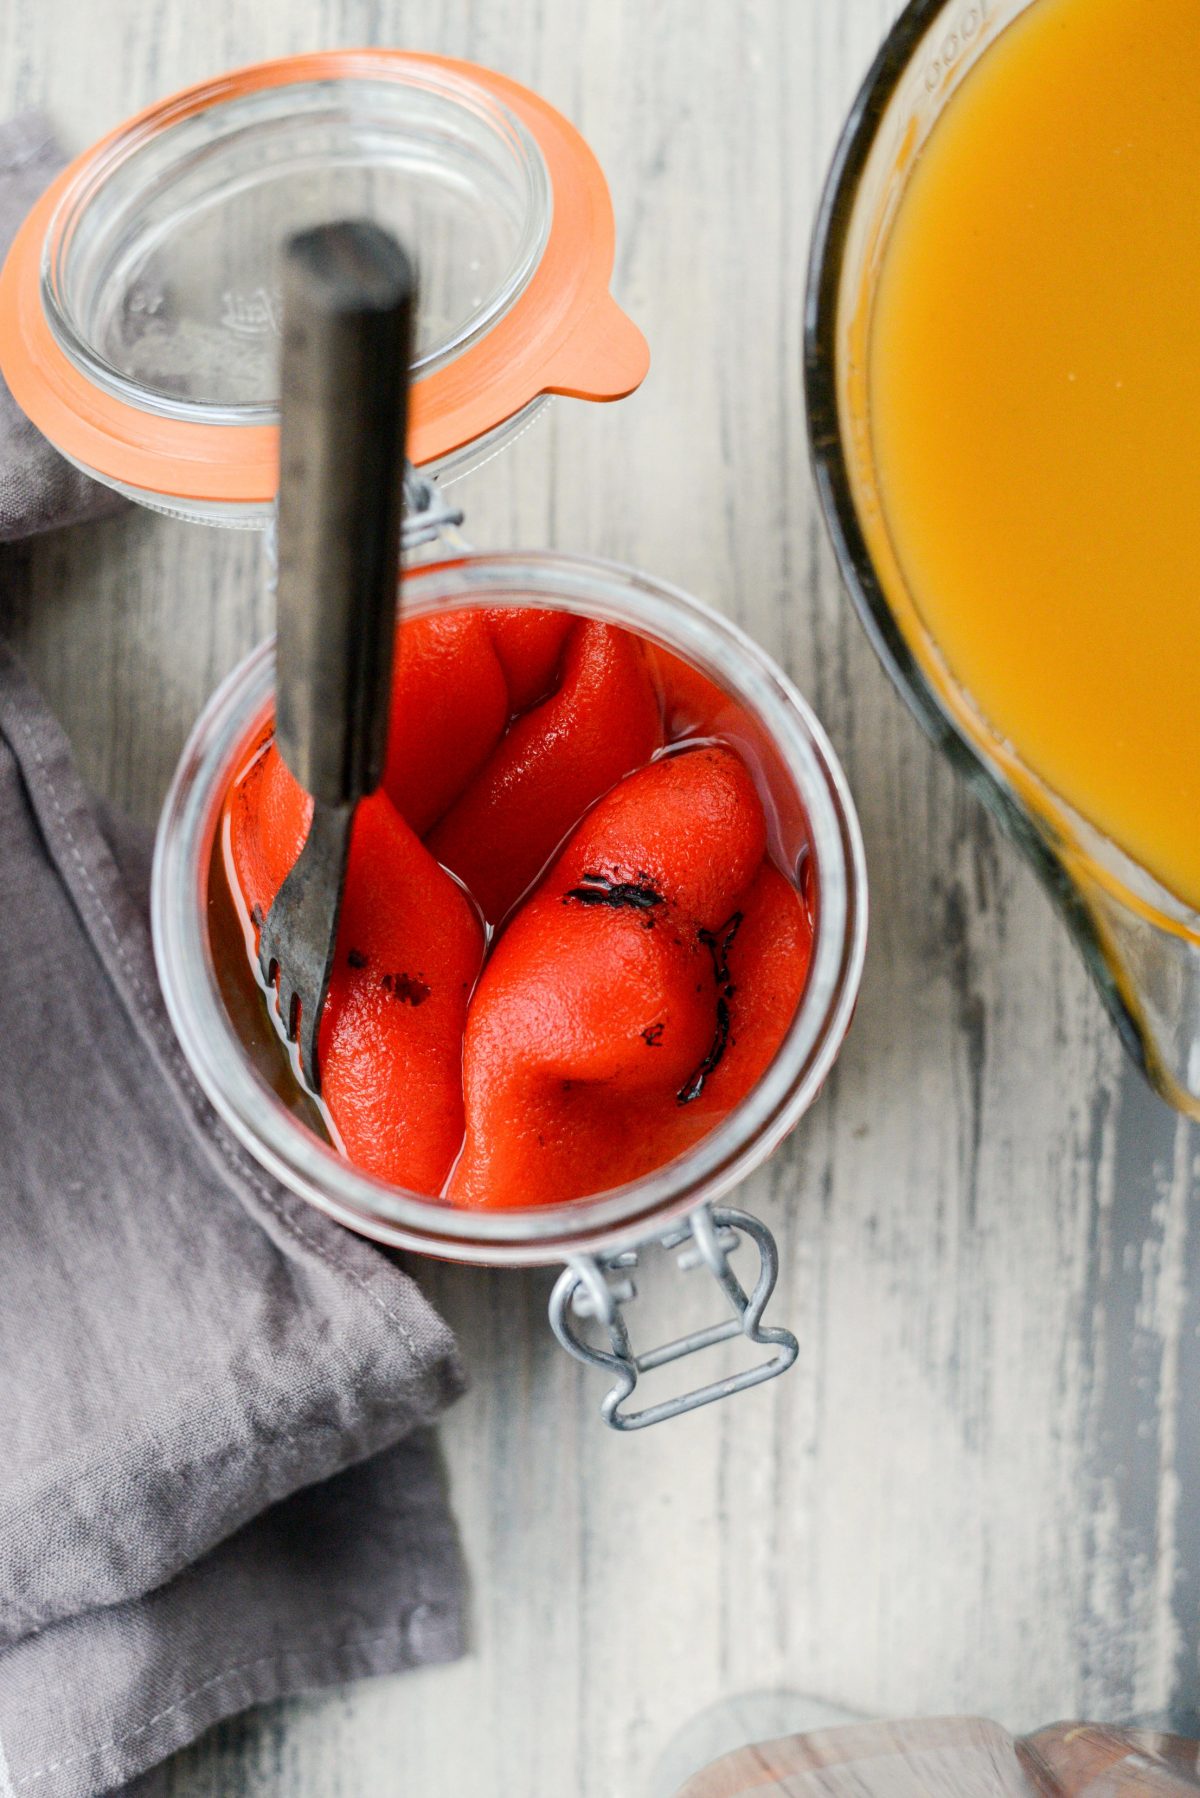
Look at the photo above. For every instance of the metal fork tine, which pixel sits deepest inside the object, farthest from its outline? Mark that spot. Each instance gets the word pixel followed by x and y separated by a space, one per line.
pixel 308 1024
pixel 298 937
pixel 290 1007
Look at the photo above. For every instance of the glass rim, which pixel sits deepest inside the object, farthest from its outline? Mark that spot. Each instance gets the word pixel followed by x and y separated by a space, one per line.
pixel 1041 839
pixel 564 333
pixel 204 98
pixel 291 1151
pixel 258 515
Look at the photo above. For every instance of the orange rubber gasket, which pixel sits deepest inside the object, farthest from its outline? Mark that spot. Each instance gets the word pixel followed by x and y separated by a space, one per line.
pixel 564 333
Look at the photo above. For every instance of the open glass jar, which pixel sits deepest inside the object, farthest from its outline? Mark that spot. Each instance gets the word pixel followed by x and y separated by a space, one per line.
pixel 813 816
pixel 139 305
pixel 144 346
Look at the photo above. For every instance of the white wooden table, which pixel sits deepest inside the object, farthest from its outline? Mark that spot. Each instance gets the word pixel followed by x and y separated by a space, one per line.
pixel 975 1490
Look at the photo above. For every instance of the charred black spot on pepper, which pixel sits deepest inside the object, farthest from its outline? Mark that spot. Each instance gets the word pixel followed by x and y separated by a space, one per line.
pixel 652 1036
pixel 356 958
pixel 410 989
pixel 387 983
pixel 695 1086
pixel 598 889
pixel 718 943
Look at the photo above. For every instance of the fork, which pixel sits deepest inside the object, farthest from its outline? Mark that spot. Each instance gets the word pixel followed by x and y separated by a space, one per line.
pixel 349 299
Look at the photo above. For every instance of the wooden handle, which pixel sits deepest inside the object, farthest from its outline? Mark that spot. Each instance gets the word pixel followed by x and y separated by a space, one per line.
pixel 349 299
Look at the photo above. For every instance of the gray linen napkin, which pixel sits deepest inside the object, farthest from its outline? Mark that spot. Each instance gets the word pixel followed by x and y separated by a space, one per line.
pixel 215 1487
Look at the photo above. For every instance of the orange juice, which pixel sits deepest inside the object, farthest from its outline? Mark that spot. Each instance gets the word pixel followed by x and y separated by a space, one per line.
pixel 1034 395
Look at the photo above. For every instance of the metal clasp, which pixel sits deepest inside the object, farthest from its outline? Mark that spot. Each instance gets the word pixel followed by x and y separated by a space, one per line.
pixel 584 1289
pixel 428 514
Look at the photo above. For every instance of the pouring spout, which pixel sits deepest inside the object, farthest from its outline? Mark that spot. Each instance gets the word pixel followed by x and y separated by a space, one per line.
pixel 1142 949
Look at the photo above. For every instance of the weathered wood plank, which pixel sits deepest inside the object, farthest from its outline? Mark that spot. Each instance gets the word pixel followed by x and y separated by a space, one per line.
pixel 974 1490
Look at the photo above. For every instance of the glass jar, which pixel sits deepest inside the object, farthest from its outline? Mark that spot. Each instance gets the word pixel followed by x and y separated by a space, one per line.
pixel 139 310
pixel 812 815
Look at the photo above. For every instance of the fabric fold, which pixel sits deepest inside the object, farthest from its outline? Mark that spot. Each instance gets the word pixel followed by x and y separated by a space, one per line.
pixel 217 1484
pixel 202 1500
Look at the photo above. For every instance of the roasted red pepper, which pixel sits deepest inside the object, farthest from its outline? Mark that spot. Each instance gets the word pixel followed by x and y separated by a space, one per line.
pixel 631 1002
pixel 693 705
pixel 529 644
pixel 603 720
pixel 636 996
pixel 409 950
pixel 450 705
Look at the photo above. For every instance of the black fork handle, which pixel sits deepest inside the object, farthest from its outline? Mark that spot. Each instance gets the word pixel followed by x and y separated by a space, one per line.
pixel 349 299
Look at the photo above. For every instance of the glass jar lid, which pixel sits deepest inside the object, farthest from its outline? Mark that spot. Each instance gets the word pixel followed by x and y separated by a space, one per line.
pixel 139 309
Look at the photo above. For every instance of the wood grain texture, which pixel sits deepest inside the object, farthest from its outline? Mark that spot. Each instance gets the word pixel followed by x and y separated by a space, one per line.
pixel 975 1490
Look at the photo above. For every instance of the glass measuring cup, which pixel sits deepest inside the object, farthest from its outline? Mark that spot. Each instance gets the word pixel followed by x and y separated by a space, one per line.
pixel 1140 942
